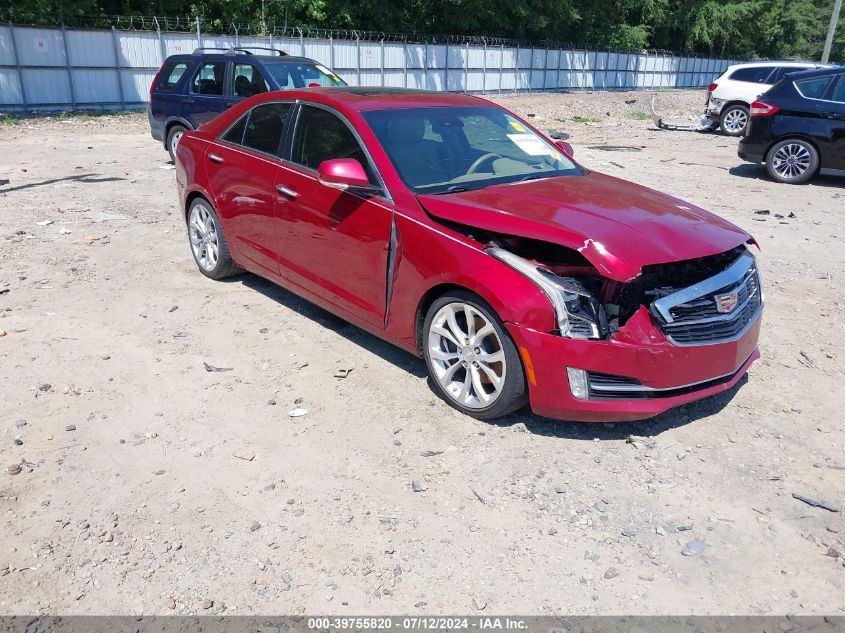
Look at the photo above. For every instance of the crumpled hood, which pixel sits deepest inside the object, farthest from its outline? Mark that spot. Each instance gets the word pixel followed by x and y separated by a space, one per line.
pixel 617 225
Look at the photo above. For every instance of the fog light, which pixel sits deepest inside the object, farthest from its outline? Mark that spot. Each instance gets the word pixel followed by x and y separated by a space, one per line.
pixel 578 383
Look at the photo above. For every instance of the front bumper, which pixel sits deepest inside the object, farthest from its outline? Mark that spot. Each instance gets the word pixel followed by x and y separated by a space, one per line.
pixel 672 375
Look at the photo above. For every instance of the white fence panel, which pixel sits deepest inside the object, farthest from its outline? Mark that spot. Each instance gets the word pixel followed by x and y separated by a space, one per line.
pixel 105 68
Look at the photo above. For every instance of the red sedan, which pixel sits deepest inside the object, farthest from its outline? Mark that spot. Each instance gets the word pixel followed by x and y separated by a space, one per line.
pixel 450 227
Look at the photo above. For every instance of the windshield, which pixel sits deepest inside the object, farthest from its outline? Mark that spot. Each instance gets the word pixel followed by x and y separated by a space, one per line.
pixel 289 75
pixel 446 149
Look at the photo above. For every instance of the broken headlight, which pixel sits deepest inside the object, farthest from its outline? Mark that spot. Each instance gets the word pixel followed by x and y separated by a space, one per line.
pixel 578 313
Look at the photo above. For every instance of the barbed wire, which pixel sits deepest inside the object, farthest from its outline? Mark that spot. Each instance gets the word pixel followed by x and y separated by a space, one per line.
pixel 185 24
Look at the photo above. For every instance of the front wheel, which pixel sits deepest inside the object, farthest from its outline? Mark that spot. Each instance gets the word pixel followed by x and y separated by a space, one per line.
pixel 792 161
pixel 471 358
pixel 734 120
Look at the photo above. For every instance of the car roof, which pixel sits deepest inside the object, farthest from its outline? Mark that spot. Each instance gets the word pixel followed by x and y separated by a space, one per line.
pixel 273 59
pixel 779 62
pixel 815 72
pixel 363 98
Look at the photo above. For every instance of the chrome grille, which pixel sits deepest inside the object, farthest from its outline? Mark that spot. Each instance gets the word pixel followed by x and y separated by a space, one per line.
pixel 690 316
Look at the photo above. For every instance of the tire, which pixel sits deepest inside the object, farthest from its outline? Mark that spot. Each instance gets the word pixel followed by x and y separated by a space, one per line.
pixel 734 120
pixel 792 161
pixel 458 370
pixel 173 136
pixel 208 243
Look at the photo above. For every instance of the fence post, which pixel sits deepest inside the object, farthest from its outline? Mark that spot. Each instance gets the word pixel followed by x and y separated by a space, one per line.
pixel 301 43
pixel 331 51
pixel 545 67
pixel 199 35
pixel 516 69
pixel 117 67
pixel 466 69
pixel 425 67
pixel 358 57
pixel 501 64
pixel 160 42
pixel 382 62
pixel 484 69
pixel 405 62
pixel 446 86
pixel 67 68
pixel 18 66
pixel 531 71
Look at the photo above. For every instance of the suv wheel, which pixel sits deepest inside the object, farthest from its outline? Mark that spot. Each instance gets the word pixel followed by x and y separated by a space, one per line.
pixel 734 120
pixel 792 161
pixel 173 138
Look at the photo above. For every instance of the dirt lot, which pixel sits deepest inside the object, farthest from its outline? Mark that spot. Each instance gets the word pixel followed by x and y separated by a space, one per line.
pixel 134 495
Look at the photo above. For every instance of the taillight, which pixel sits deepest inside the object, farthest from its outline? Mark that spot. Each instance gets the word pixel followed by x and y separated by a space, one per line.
pixel 712 87
pixel 761 108
pixel 153 83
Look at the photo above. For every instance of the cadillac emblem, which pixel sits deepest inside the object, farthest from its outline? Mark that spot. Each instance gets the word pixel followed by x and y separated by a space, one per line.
pixel 727 302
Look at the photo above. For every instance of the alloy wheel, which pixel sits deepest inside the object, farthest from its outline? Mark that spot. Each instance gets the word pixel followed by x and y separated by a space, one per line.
pixel 735 120
pixel 466 355
pixel 205 241
pixel 791 161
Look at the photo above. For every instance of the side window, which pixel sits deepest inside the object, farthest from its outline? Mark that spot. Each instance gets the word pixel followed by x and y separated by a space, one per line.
pixel 322 136
pixel 753 75
pixel 247 81
pixel 209 79
pixel 265 127
pixel 839 91
pixel 235 134
pixel 813 88
pixel 170 75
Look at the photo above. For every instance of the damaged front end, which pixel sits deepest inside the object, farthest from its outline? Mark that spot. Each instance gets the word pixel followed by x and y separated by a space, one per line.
pixel 701 301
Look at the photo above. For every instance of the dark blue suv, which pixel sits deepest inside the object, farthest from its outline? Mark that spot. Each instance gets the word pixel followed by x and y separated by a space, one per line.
pixel 189 90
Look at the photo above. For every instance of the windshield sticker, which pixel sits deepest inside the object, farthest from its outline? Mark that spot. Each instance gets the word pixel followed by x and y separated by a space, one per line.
pixel 326 71
pixel 519 127
pixel 530 144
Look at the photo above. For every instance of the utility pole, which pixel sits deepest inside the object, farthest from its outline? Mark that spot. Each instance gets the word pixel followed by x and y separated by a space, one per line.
pixel 834 20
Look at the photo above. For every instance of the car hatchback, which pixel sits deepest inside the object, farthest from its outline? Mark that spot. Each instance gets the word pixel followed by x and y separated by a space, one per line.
pixel 189 90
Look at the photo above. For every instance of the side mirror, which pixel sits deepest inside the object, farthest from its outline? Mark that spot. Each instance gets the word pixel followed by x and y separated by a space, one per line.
pixel 343 173
pixel 566 148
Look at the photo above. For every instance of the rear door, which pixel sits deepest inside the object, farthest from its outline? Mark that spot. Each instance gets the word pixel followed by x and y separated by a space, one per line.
pixel 332 243
pixel 165 96
pixel 242 166
pixel 205 97
pixel 835 114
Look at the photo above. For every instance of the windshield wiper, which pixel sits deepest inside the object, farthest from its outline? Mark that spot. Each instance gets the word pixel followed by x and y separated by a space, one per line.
pixel 534 177
pixel 452 189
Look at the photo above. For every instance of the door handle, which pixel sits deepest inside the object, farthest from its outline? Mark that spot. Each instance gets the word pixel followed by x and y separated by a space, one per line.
pixel 287 191
pixel 831 115
pixel 188 100
pixel 214 158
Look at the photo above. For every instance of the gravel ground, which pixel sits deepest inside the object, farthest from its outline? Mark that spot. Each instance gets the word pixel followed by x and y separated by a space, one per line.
pixel 135 481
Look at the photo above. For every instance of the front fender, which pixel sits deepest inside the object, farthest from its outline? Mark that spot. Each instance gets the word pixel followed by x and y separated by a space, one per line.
pixel 432 258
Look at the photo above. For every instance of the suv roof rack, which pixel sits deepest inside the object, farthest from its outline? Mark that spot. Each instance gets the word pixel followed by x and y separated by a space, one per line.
pixel 235 50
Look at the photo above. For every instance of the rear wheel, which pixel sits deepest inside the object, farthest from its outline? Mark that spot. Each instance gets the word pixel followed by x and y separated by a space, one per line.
pixel 208 243
pixel 792 161
pixel 734 120
pixel 174 135
pixel 472 360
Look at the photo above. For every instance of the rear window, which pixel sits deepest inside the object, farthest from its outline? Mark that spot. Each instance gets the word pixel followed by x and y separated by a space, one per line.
pixel 813 88
pixel 757 75
pixel 290 76
pixel 170 75
pixel 839 91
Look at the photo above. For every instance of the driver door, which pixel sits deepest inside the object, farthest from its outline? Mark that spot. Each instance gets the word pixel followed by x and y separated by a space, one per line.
pixel 332 243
